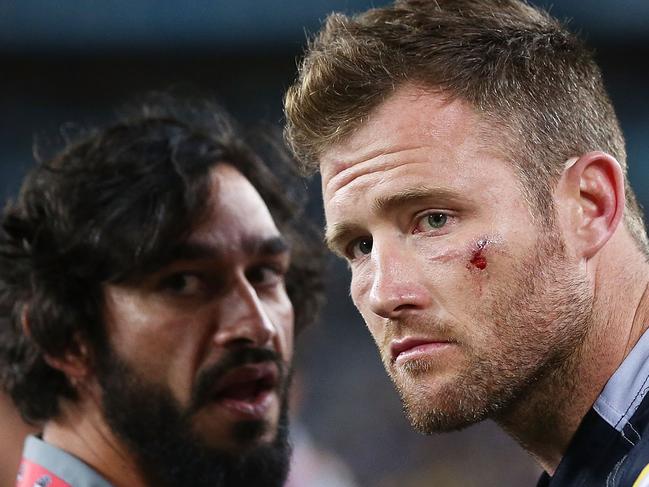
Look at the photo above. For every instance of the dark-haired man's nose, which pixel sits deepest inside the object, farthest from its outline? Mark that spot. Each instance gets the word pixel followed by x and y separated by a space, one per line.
pixel 243 320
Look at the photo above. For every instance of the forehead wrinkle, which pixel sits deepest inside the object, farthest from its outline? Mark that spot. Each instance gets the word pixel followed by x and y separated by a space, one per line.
pixel 357 166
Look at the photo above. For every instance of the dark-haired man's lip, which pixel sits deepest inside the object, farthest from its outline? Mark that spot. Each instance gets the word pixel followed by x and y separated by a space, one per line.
pixel 248 391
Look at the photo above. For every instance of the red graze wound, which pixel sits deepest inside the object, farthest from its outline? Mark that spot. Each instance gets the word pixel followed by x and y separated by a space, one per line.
pixel 478 260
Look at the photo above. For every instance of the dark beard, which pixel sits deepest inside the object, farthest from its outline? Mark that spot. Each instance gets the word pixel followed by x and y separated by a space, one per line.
pixel 148 419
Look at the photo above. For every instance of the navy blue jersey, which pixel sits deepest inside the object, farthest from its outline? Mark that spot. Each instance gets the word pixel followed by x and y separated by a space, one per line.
pixel 611 445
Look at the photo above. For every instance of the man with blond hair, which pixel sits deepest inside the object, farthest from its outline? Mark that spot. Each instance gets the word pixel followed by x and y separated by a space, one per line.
pixel 474 179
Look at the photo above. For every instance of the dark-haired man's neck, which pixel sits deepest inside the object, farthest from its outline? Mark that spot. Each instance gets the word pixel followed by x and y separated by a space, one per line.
pixel 12 433
pixel 81 431
pixel 544 420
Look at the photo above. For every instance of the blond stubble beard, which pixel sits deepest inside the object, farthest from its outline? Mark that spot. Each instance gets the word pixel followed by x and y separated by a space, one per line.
pixel 538 321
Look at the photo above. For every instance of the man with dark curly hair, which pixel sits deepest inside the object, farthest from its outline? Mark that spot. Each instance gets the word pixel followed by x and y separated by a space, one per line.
pixel 151 275
pixel 474 179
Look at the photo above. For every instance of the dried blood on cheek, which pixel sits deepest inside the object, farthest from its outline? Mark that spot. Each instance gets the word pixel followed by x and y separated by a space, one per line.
pixel 478 259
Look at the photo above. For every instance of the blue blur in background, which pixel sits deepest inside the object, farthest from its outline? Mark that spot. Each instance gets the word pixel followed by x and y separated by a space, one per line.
pixel 76 61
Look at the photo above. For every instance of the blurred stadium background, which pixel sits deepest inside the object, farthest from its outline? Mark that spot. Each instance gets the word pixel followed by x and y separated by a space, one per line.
pixel 76 61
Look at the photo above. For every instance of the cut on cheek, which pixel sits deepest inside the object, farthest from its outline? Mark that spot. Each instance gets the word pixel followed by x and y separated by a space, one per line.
pixel 477 254
pixel 478 258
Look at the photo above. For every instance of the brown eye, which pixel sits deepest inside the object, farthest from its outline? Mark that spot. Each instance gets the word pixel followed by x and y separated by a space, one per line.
pixel 182 283
pixel 264 275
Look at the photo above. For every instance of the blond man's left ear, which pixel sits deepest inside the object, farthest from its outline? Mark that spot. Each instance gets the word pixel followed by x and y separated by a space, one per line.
pixel 591 193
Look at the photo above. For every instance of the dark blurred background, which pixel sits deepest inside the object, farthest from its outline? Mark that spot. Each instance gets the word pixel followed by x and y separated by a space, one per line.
pixel 76 61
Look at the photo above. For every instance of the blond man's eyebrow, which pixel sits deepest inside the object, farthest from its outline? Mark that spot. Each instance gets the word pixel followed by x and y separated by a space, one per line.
pixel 412 195
pixel 338 234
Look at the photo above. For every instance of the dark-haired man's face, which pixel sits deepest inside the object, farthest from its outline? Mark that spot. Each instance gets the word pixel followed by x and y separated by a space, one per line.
pixel 196 379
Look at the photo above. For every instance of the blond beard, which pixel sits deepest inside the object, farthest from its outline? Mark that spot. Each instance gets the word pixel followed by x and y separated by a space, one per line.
pixel 537 323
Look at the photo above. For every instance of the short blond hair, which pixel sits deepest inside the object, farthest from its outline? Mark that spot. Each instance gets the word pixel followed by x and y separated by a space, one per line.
pixel 520 68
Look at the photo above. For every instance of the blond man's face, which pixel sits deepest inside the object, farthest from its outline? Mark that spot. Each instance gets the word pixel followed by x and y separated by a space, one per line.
pixel 468 301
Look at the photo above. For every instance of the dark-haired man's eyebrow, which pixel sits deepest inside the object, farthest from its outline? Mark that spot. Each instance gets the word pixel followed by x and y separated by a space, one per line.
pixel 266 246
pixel 275 245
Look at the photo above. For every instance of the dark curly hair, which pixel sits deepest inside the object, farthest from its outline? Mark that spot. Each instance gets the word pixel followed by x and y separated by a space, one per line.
pixel 110 207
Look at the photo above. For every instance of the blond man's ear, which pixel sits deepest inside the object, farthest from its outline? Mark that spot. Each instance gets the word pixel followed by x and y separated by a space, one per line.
pixel 591 193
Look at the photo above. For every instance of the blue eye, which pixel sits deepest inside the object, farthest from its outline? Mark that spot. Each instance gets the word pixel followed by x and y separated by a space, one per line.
pixel 431 221
pixel 436 220
pixel 360 247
